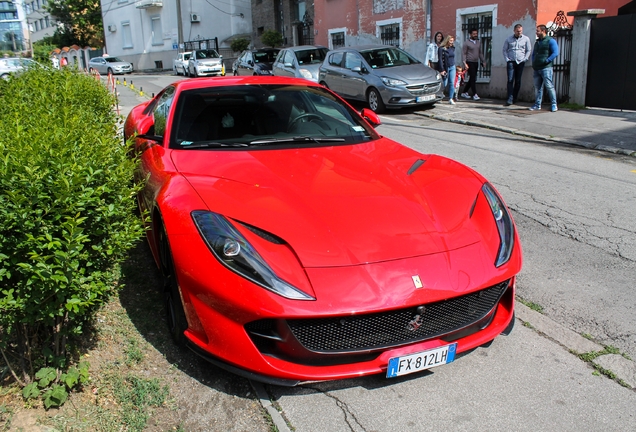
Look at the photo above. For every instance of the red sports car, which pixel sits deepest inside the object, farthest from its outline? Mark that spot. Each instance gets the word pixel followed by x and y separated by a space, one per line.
pixel 298 244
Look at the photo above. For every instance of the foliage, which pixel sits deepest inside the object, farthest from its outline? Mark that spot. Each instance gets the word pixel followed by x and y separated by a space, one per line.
pixel 272 38
pixel 42 52
pixel 67 215
pixel 80 22
pixel 240 45
pixel 53 390
pixel 134 395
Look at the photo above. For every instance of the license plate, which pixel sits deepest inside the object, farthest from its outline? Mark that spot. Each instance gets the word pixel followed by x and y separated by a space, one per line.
pixel 425 98
pixel 420 361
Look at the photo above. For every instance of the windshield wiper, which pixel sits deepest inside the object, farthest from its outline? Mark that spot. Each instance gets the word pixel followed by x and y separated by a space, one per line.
pixel 209 144
pixel 295 139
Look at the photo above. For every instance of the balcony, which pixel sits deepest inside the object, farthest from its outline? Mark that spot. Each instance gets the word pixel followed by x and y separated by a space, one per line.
pixel 143 4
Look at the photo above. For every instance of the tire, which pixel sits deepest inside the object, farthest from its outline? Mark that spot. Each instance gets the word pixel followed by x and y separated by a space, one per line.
pixel 375 101
pixel 175 314
pixel 4 76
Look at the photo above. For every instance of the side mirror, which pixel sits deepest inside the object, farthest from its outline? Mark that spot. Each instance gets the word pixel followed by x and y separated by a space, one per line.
pixel 289 65
pixel 371 117
pixel 357 69
pixel 251 63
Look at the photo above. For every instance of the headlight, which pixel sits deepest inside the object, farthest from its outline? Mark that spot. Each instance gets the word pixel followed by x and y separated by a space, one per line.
pixel 235 253
pixel 504 223
pixel 438 76
pixel 392 82
pixel 306 74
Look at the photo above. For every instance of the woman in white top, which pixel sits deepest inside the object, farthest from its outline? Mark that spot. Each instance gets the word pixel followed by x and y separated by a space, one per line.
pixel 431 52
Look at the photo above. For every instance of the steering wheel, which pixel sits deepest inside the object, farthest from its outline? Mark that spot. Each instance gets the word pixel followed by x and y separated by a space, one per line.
pixel 303 116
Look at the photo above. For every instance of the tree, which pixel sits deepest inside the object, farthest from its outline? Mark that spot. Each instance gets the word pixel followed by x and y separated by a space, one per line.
pixel 240 45
pixel 272 38
pixel 81 22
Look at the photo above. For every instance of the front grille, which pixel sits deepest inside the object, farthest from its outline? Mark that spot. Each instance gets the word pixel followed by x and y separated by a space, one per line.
pixel 375 331
pixel 423 89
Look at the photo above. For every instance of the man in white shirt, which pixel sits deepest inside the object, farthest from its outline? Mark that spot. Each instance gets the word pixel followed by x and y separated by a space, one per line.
pixel 516 51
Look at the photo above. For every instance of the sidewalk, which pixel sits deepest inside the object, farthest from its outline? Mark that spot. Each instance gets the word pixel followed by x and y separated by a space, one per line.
pixel 600 129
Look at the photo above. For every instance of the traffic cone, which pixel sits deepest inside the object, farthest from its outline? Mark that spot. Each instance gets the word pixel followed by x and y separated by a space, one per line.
pixel 125 85
pixel 141 91
pixel 132 87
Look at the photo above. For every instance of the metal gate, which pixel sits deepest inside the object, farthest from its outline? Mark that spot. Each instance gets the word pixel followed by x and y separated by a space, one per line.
pixel 611 65
pixel 561 31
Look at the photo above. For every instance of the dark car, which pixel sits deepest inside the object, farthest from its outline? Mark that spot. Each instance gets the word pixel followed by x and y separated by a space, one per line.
pixel 383 76
pixel 300 61
pixel 255 62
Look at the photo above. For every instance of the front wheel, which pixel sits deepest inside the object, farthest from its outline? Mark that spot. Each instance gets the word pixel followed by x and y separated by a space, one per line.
pixel 175 314
pixel 375 101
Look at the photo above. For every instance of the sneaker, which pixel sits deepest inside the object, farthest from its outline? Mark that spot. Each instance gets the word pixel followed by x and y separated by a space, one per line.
pixel 452 102
pixel 509 102
pixel 475 97
pixel 554 108
pixel 534 108
pixel 465 95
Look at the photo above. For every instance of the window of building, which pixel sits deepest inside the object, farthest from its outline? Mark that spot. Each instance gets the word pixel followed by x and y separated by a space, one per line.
pixel 126 34
pixel 482 18
pixel 37 26
pixel 157 37
pixel 337 38
pixel 260 30
pixel 388 31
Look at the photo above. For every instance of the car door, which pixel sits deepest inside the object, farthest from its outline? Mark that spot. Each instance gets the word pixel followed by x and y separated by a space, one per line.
pixel 354 77
pixel 332 71
pixel 248 64
pixel 288 65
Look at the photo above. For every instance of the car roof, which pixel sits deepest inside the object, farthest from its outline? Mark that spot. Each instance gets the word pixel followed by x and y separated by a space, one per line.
pixel 211 82
pixel 303 47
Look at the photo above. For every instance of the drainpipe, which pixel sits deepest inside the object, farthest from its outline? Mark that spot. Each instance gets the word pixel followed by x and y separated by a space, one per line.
pixel 179 26
pixel 429 34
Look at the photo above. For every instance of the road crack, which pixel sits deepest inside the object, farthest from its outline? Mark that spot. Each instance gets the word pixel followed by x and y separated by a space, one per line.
pixel 350 418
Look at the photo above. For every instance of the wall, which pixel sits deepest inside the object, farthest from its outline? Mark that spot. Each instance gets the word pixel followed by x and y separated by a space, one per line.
pixel 547 9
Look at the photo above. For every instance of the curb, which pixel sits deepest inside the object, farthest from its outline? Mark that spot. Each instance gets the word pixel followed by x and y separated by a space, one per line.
pixel 622 369
pixel 518 132
pixel 279 422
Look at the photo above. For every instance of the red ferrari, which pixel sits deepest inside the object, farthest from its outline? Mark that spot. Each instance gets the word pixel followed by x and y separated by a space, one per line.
pixel 298 244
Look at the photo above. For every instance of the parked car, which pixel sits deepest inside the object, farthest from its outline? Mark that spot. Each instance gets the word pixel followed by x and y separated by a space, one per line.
pixel 298 244
pixel 205 62
pixel 255 62
pixel 14 65
pixel 383 76
pixel 300 61
pixel 109 65
pixel 180 63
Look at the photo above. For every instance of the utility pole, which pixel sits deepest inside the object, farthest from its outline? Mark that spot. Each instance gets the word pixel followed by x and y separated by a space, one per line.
pixel 179 26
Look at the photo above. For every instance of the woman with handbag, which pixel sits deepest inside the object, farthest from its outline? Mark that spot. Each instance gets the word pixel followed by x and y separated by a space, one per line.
pixel 446 56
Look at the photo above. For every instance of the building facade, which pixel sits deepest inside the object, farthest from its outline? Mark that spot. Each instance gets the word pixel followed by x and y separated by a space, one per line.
pixel 13 31
pixel 39 21
pixel 149 33
pixel 294 20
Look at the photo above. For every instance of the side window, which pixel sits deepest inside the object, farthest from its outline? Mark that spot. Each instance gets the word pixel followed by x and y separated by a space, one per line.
pixel 281 56
pixel 353 60
pixel 248 57
pixel 289 58
pixel 335 59
pixel 161 111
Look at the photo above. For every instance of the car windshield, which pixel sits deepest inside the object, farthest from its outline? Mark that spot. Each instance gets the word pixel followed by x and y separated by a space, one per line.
pixel 186 56
pixel 387 57
pixel 265 56
pixel 245 116
pixel 204 54
pixel 113 59
pixel 311 56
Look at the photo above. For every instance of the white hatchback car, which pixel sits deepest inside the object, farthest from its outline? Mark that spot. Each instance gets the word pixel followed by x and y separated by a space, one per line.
pixel 205 62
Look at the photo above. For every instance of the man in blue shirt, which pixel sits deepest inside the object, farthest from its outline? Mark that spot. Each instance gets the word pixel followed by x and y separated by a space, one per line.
pixel 516 51
pixel 545 51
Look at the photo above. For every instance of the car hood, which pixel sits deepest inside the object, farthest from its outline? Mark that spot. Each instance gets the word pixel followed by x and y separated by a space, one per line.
pixel 409 73
pixel 344 205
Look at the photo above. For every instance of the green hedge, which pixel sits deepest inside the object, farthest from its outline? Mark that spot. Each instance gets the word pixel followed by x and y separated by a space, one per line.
pixel 67 213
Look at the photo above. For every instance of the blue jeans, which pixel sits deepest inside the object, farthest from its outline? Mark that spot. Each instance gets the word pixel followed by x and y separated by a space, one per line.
pixel 449 78
pixel 515 71
pixel 543 78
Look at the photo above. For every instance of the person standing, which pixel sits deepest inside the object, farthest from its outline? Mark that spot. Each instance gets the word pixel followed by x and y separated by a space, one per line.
pixel 545 51
pixel 446 56
pixel 472 55
pixel 431 52
pixel 516 51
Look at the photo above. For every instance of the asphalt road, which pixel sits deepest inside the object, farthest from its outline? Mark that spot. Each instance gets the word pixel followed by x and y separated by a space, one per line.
pixel 574 209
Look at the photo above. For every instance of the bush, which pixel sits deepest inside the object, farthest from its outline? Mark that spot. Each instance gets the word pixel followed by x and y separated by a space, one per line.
pixel 272 38
pixel 67 214
pixel 240 45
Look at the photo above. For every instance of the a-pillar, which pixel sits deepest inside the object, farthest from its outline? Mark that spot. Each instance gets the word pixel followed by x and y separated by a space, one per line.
pixel 580 52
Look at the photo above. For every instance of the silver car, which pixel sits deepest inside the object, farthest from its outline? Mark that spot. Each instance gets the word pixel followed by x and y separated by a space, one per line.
pixel 205 62
pixel 300 61
pixel 14 65
pixel 109 65
pixel 383 76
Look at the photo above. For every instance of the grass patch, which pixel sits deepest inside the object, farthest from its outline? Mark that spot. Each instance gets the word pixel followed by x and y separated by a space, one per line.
pixel 573 106
pixel 534 306
pixel 599 370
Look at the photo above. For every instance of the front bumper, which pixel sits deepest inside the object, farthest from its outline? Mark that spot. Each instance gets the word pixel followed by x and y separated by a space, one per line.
pixel 412 95
pixel 209 70
pixel 226 315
